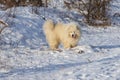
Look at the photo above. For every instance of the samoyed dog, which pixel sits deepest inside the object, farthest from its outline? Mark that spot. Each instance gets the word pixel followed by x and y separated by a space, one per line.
pixel 66 34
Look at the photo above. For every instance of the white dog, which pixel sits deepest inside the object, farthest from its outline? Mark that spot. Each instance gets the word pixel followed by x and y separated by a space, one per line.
pixel 66 34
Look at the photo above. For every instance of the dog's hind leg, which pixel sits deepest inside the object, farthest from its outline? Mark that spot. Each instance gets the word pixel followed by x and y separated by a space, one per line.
pixel 54 45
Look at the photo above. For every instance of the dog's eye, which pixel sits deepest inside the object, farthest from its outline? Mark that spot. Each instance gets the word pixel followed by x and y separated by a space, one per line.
pixel 73 31
pixel 70 32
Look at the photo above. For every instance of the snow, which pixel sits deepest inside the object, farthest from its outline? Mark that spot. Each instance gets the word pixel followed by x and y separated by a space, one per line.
pixel 24 53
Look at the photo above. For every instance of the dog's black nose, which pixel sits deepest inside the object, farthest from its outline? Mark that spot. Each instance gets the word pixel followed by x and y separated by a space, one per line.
pixel 72 35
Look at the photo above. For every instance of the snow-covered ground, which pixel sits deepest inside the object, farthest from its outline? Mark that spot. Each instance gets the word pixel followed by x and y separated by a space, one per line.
pixel 24 53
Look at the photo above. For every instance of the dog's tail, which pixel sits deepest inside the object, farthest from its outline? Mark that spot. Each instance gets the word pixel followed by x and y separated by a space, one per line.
pixel 48 26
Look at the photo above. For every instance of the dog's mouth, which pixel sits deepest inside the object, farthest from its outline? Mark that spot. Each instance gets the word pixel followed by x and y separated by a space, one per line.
pixel 74 36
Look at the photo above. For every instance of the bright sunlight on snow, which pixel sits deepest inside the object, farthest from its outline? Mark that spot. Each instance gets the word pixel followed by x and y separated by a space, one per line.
pixel 25 55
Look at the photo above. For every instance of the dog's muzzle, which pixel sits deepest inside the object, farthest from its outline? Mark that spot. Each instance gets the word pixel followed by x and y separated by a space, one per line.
pixel 74 36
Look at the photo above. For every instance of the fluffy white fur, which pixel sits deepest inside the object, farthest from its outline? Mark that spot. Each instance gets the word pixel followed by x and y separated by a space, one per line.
pixel 66 34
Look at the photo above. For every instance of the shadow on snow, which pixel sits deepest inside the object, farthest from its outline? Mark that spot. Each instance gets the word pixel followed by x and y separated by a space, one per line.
pixel 52 67
pixel 106 46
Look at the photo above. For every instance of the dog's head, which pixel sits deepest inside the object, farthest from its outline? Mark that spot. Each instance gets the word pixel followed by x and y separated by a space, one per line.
pixel 73 30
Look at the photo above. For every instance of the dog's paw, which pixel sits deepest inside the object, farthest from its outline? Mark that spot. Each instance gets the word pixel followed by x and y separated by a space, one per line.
pixel 59 50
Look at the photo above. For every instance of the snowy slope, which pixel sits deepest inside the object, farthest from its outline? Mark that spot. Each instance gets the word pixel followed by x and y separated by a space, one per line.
pixel 24 53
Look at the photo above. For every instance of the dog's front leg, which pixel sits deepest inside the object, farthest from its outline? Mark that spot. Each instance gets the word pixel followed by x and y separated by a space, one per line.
pixel 66 46
pixel 53 47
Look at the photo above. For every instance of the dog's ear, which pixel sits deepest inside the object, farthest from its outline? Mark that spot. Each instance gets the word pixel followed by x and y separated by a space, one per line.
pixel 78 27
